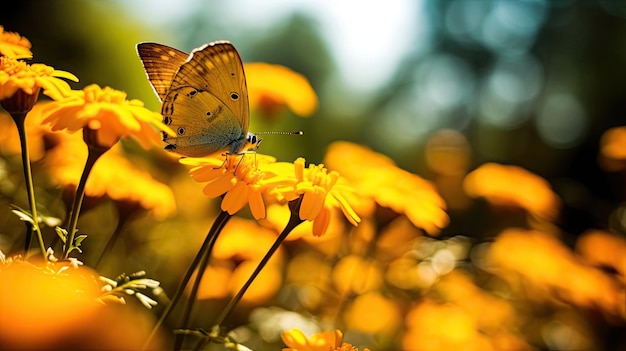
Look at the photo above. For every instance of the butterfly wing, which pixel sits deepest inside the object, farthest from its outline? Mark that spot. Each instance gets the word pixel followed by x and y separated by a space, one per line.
pixel 161 63
pixel 202 122
pixel 207 102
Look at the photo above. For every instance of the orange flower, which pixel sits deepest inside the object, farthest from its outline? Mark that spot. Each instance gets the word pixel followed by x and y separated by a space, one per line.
pixel 238 177
pixel 20 84
pixel 324 341
pixel 109 113
pixel 513 186
pixel 270 87
pixel 549 268
pixel 113 176
pixel 246 179
pixel 376 177
pixel 13 45
pixel 321 192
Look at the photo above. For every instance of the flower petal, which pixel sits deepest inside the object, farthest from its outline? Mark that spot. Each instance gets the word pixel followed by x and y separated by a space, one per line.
pixel 312 203
pixel 220 186
pixel 236 198
pixel 320 223
pixel 257 206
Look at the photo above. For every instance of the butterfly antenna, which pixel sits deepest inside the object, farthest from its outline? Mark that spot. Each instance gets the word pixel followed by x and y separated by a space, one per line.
pixel 298 132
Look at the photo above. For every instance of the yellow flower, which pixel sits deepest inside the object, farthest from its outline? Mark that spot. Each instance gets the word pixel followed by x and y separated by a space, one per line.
pixel 238 177
pixel 321 191
pixel 247 178
pixel 324 341
pixel 376 177
pixel 542 266
pixel 107 112
pixel 113 176
pixel 64 156
pixel 513 186
pixel 270 87
pixel 13 45
pixel 20 84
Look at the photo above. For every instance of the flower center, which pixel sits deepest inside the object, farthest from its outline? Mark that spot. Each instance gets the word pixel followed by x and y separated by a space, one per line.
pixel 11 66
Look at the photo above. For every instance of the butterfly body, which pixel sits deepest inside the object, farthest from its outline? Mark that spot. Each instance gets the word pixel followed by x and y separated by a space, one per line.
pixel 204 97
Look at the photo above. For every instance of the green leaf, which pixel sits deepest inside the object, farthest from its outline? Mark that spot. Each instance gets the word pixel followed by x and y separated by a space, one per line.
pixel 62 233
pixel 77 241
pixel 23 215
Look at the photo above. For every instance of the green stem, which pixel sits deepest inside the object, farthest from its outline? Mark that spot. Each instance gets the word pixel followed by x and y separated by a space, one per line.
pixel 93 156
pixel 294 221
pixel 212 235
pixel 30 190
pixel 220 222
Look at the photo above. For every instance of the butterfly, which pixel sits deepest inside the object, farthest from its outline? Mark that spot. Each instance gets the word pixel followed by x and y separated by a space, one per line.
pixel 204 98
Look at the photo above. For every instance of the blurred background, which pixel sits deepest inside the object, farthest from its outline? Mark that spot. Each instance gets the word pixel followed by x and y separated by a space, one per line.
pixel 532 83
pixel 527 82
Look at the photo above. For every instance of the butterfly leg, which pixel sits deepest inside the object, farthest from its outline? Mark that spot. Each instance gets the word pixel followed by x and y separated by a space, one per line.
pixel 223 163
pixel 243 154
pixel 227 155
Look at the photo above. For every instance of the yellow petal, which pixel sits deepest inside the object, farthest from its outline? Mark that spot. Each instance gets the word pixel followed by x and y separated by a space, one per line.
pixel 320 223
pixel 312 203
pixel 257 206
pixel 235 199
pixel 220 186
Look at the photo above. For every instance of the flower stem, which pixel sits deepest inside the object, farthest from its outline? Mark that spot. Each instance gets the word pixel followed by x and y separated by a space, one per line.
pixel 212 235
pixel 20 119
pixel 204 250
pixel 93 156
pixel 294 221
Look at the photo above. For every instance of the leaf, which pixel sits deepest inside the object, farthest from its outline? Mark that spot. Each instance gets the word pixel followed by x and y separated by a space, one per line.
pixel 24 216
pixel 62 233
pixel 78 241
